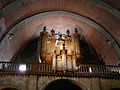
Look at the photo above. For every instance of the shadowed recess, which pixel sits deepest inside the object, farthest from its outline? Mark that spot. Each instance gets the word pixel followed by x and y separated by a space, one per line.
pixel 115 89
pixel 62 84
pixel 29 54
pixel 9 89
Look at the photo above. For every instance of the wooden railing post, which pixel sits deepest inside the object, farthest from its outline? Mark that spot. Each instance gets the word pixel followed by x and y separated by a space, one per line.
pixel 42 68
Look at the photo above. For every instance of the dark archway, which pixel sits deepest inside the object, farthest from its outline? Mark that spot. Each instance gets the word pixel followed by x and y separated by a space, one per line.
pixel 28 53
pixel 9 88
pixel 89 54
pixel 115 89
pixel 62 84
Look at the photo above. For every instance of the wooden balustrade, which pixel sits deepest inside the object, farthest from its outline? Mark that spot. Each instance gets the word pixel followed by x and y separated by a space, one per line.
pixel 46 69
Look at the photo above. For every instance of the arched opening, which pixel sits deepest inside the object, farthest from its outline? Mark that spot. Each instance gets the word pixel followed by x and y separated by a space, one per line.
pixel 77 21
pixel 115 89
pixel 62 84
pixel 9 88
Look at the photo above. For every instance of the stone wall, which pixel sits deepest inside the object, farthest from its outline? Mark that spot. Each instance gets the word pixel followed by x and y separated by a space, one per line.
pixel 40 83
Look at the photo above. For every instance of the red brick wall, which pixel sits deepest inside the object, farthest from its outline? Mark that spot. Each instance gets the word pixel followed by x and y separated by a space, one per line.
pixel 82 7
pixel 26 31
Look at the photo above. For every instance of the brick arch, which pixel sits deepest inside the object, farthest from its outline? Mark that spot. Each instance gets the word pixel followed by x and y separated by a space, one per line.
pixel 95 10
pixel 21 30
pixel 17 82
pixel 70 82
pixel 8 86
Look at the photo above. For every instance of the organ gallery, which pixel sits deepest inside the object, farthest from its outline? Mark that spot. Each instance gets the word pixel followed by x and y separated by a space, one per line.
pixel 60 50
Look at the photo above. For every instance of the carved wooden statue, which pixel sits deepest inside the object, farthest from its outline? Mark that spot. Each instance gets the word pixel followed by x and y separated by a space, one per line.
pixel 63 53
pixel 59 44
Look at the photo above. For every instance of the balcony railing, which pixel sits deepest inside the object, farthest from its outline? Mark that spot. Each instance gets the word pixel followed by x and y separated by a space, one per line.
pixel 105 71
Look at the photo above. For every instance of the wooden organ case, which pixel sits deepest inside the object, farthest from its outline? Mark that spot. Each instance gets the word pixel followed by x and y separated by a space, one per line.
pixel 61 53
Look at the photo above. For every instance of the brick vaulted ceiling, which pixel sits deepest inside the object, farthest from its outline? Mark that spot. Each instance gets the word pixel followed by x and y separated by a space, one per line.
pixel 98 20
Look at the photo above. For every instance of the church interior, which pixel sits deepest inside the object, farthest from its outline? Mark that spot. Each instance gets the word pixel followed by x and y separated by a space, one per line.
pixel 59 45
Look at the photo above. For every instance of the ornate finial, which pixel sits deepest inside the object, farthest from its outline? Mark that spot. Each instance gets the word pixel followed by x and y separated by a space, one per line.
pixel 44 28
pixel 76 30
pixel 63 45
pixel 68 32
pixel 52 31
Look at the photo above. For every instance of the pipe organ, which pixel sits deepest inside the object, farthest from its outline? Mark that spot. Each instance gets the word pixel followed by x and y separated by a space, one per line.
pixel 61 53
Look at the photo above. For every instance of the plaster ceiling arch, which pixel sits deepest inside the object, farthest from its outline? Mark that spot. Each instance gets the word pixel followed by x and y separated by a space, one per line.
pixel 8 48
pixel 96 10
